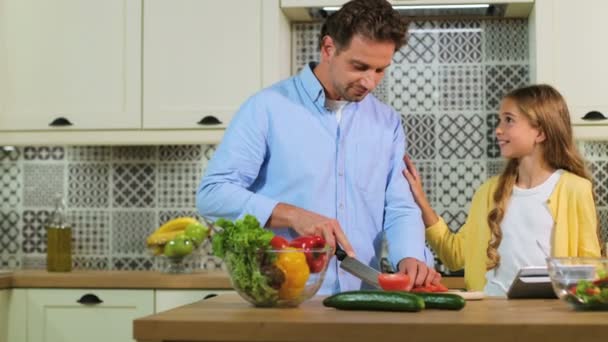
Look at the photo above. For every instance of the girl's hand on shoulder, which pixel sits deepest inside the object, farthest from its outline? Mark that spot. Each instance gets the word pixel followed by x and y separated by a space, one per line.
pixel 412 176
pixel 429 217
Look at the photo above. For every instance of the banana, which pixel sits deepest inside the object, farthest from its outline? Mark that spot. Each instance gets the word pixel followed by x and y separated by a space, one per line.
pixel 157 250
pixel 179 223
pixel 169 230
pixel 161 238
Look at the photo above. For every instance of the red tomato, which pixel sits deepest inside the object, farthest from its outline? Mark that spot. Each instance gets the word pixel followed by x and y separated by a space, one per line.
pixel 279 242
pixel 430 288
pixel 393 281
pixel 441 288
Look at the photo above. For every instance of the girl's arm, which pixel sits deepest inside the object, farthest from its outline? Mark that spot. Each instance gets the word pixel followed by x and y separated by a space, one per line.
pixel 589 244
pixel 448 246
pixel 411 174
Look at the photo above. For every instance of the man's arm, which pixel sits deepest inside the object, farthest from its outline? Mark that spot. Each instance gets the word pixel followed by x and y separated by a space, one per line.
pixel 403 222
pixel 235 165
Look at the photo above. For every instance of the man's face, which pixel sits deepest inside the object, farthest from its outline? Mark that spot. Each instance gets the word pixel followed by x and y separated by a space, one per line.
pixel 356 70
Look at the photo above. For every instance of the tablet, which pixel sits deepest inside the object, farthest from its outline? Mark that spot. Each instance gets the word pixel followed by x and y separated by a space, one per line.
pixel 531 282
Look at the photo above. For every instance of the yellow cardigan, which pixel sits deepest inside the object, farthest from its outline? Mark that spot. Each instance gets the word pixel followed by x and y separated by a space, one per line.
pixel 575 231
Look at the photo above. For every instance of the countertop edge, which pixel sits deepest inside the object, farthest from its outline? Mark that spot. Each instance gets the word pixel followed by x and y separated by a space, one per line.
pixel 133 280
pixel 115 280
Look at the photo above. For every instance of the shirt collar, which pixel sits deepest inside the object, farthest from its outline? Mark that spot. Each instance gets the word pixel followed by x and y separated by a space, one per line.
pixel 311 84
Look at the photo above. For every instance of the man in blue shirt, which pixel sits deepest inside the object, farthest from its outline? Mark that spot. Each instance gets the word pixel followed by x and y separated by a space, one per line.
pixel 316 154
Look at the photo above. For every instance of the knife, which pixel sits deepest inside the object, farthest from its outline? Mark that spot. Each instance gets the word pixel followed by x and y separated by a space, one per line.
pixel 385 265
pixel 357 268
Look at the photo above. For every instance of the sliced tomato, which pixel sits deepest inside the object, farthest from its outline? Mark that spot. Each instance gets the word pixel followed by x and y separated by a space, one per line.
pixel 279 242
pixel 602 282
pixel 441 288
pixel 430 288
pixel 393 281
pixel 592 291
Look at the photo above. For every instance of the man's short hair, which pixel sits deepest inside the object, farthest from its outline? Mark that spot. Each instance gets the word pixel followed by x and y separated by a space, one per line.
pixel 373 19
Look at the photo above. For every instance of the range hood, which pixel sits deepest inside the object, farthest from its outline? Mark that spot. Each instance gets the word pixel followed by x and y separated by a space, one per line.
pixel 312 10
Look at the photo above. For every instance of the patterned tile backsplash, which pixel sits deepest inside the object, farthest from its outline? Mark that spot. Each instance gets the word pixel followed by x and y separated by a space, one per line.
pixel 446 82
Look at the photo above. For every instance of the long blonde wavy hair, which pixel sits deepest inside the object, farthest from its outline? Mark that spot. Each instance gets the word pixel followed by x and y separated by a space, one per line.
pixel 546 110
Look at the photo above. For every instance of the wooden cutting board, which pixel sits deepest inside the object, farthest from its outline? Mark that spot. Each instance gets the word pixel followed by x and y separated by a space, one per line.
pixel 468 295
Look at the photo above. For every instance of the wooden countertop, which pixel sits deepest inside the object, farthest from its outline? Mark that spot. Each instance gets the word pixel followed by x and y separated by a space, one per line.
pixel 227 317
pixel 131 280
pixel 5 280
pixel 114 280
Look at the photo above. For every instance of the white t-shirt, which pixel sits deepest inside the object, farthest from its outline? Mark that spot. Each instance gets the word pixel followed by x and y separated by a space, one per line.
pixel 335 106
pixel 527 220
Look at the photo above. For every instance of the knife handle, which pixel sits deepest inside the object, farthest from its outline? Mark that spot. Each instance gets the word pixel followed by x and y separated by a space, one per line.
pixel 385 266
pixel 340 253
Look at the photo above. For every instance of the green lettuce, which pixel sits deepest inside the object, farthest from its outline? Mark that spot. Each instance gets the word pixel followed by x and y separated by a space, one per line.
pixel 242 244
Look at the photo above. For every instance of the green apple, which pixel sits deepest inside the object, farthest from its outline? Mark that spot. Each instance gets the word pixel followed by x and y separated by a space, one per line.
pixel 170 249
pixel 197 233
pixel 182 245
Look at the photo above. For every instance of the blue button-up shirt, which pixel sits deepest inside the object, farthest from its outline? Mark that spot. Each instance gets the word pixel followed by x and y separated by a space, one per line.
pixel 284 146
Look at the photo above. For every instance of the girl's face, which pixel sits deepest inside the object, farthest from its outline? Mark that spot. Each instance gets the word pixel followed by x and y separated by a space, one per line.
pixel 516 137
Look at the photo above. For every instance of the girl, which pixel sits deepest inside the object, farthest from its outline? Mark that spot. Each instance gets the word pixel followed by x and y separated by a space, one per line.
pixel 542 201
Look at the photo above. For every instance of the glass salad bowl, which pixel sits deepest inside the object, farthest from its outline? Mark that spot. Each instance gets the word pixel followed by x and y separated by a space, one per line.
pixel 278 277
pixel 582 282
pixel 177 256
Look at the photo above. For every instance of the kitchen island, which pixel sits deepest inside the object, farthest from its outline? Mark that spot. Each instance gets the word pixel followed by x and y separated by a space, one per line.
pixel 230 318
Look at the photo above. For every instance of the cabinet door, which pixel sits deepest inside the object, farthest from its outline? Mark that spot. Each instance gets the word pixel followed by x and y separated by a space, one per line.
pixel 76 59
pixel 201 58
pixel 580 55
pixel 169 299
pixel 55 315
pixel 4 315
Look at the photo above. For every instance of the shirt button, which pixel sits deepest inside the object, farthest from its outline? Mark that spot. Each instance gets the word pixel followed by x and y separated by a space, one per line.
pixel 341 206
pixel 340 173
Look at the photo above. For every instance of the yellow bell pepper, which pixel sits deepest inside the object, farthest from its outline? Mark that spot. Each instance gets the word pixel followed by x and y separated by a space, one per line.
pixel 296 271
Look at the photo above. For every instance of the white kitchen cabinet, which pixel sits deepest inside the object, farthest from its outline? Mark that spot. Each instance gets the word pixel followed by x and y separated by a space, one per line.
pixel 568 51
pixel 83 60
pixel 17 317
pixel 57 315
pixel 71 59
pixel 169 299
pixel 203 59
pixel 4 315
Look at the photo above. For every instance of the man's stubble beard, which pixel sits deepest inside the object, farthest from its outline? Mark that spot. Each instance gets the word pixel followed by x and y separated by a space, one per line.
pixel 343 94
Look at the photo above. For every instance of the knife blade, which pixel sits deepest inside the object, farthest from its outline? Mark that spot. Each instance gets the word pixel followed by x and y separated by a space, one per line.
pixel 357 268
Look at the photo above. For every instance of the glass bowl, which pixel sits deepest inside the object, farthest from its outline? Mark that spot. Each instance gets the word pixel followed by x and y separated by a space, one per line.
pixel 580 281
pixel 175 264
pixel 278 277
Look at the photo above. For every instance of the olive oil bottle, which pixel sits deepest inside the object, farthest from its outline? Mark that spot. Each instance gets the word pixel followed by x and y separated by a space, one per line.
pixel 59 239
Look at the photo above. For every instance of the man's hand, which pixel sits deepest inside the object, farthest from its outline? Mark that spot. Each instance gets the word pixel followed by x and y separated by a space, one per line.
pixel 308 223
pixel 420 274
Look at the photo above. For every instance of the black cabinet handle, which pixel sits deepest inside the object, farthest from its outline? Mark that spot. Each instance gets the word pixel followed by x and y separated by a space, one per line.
pixel 60 122
pixel 89 299
pixel 594 116
pixel 211 295
pixel 209 120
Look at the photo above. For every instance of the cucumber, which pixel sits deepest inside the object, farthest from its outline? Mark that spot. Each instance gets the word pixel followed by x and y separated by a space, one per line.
pixel 445 301
pixel 375 300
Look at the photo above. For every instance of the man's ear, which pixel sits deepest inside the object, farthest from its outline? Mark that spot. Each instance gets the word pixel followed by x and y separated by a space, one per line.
pixel 328 48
